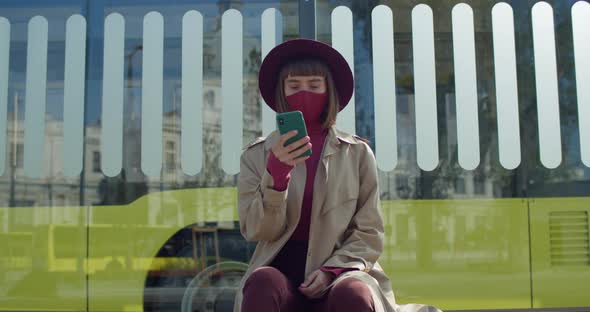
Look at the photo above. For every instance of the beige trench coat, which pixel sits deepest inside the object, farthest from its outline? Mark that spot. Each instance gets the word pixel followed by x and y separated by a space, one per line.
pixel 346 227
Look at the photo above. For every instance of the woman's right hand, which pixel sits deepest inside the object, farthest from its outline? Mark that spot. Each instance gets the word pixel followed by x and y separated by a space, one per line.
pixel 288 154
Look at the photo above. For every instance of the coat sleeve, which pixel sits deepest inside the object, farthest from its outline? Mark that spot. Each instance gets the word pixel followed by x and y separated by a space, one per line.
pixel 262 209
pixel 364 237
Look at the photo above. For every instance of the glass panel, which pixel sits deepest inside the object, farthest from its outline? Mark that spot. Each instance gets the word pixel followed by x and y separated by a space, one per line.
pixel 151 94
pixel 495 95
pixel 384 86
pixel 192 98
pixel 580 21
pixel 465 86
pixel 42 221
pixel 74 81
pixel 112 99
pixel 35 96
pixel 162 216
pixel 4 56
pixel 151 221
pixel 425 84
pixel 231 90
pixel 506 85
pixel 464 216
pixel 126 236
pixel 343 42
pixel 271 35
pixel 546 78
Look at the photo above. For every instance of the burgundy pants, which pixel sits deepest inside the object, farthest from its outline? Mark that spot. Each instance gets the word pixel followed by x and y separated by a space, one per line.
pixel 269 290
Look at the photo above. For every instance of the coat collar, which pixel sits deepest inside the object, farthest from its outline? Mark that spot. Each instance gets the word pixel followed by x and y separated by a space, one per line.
pixel 333 141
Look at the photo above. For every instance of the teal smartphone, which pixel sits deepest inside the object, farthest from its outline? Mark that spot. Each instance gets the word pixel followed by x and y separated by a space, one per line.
pixel 293 121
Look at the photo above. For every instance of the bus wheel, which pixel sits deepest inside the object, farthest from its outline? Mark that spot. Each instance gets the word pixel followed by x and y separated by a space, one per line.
pixel 214 288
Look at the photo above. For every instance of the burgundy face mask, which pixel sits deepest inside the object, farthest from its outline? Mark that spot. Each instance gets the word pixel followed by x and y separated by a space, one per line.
pixel 310 104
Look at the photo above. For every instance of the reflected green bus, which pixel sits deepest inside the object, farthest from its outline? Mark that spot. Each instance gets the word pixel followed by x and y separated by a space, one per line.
pixel 456 254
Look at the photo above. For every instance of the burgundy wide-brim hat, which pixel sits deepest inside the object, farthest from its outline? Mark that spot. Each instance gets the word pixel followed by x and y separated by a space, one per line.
pixel 304 48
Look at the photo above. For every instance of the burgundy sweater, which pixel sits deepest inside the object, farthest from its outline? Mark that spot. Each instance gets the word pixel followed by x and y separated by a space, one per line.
pixel 292 257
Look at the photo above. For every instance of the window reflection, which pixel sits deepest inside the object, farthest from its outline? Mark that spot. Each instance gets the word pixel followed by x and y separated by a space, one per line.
pixel 36 212
pixel 492 180
pixel 463 226
pixel 73 243
pixel 201 205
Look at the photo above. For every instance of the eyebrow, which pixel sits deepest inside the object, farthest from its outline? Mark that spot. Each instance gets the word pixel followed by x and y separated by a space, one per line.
pixel 290 80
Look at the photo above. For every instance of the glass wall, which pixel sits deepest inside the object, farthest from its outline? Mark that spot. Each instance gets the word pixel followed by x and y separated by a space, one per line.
pixel 473 112
pixel 489 179
pixel 125 120
pixel 37 191
pixel 113 198
pixel 185 224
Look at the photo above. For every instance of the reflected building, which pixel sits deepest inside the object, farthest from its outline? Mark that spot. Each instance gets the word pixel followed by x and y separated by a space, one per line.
pixel 52 188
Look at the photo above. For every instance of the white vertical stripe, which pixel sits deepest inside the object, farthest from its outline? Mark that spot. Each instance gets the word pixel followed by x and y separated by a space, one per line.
pixel 4 54
pixel 581 33
pixel 546 78
pixel 74 77
pixel 151 94
pixel 506 85
pixel 271 36
pixel 36 83
pixel 465 86
pixel 231 90
pixel 425 85
pixel 384 88
pixel 342 40
pixel 112 95
pixel 192 93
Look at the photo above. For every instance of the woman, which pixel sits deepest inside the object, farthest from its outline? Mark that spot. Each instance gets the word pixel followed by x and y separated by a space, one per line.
pixel 316 219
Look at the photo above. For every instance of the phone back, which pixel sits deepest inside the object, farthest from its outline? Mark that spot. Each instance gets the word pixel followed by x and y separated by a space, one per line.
pixel 292 121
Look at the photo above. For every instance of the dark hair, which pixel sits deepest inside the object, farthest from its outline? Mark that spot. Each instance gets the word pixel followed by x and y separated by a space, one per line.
pixel 309 67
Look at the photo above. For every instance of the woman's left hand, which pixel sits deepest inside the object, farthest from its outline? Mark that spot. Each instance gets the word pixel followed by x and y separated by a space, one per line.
pixel 317 281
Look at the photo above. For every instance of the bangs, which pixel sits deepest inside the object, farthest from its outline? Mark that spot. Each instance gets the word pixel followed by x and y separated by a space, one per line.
pixel 305 67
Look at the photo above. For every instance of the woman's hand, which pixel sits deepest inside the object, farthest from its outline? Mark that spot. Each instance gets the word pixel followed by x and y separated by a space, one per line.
pixel 317 281
pixel 288 154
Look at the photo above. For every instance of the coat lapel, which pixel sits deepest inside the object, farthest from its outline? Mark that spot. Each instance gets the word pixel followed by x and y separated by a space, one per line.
pixel 320 186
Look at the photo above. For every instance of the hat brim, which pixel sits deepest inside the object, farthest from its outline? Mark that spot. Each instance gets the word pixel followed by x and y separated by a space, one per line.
pixel 304 48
